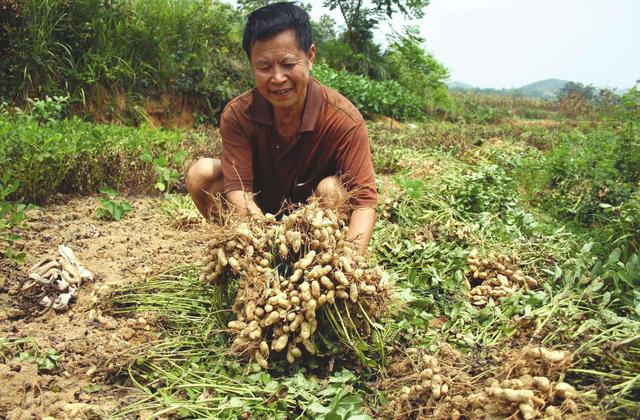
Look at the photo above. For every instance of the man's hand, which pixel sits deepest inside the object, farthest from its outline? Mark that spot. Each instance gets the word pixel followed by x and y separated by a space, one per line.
pixel 244 203
pixel 361 226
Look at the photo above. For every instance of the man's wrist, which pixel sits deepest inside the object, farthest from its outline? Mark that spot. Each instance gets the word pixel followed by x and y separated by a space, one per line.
pixel 361 226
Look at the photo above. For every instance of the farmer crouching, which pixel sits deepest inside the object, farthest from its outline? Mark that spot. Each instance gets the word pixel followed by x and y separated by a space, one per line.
pixel 290 137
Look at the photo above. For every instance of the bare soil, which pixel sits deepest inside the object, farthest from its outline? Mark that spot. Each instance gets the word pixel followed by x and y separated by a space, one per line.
pixel 90 379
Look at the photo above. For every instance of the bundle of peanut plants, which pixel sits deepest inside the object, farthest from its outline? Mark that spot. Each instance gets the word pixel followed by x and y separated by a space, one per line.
pixel 297 279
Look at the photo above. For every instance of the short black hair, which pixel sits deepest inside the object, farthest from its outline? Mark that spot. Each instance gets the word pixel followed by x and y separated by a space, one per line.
pixel 274 18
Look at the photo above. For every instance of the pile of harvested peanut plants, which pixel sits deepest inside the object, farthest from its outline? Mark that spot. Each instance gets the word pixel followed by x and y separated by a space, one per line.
pixel 529 385
pixel 493 278
pixel 295 277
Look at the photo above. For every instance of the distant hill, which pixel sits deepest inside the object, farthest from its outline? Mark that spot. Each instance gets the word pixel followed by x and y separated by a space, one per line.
pixel 541 89
pixel 460 86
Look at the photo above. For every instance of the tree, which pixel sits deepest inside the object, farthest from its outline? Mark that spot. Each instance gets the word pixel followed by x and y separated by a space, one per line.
pixel 586 92
pixel 324 30
pixel 360 18
pixel 417 69
pixel 575 98
pixel 248 6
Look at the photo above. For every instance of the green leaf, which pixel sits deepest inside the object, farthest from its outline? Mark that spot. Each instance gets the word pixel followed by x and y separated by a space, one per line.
pixel 109 192
pixel 317 408
pixel 179 157
pixel 586 248
pixel 557 273
pixel 361 416
pixel 235 402
pixel 90 389
pixel 342 377
pixel 614 257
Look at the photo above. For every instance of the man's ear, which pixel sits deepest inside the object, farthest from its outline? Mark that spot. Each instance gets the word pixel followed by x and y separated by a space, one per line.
pixel 312 53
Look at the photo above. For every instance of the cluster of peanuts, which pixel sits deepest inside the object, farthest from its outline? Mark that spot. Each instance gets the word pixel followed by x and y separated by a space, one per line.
pixel 431 386
pixel 533 394
pixel 288 270
pixel 185 219
pixel 493 278
pixel 436 389
pixel 389 206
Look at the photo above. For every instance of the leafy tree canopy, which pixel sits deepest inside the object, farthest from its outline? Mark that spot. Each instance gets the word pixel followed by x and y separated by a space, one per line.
pixel 248 6
pixel 416 69
pixel 361 17
pixel 587 92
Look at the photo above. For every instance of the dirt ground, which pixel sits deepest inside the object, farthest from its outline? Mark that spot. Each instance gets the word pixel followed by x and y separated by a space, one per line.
pixel 93 344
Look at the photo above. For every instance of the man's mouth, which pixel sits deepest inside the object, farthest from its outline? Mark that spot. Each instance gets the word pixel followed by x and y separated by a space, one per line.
pixel 282 91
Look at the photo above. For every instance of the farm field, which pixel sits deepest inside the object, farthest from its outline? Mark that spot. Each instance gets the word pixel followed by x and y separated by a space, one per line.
pixel 513 246
pixel 502 280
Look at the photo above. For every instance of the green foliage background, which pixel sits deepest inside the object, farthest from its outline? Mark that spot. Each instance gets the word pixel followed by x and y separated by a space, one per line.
pixel 132 46
pixel 95 51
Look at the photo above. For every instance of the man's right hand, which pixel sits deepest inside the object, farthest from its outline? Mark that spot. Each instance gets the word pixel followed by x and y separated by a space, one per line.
pixel 244 203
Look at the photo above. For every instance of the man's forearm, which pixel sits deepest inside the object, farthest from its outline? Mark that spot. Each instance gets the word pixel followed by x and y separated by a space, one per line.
pixel 244 203
pixel 361 226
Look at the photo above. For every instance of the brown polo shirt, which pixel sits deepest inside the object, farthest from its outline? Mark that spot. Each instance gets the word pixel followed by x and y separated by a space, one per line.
pixel 333 140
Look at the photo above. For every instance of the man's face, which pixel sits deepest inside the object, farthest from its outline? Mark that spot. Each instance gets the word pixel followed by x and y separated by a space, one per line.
pixel 281 70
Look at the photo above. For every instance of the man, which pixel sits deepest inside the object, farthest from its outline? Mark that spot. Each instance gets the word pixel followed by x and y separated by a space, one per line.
pixel 290 137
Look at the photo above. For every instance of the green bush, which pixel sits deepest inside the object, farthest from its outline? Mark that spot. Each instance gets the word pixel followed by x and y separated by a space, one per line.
pixel 372 97
pixel 12 215
pixel 109 56
pixel 133 46
pixel 39 160
pixel 586 174
pixel 593 178
pixel 485 189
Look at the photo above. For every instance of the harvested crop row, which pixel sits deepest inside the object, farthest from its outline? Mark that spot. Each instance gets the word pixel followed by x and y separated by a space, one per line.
pixel 287 273
pixel 529 385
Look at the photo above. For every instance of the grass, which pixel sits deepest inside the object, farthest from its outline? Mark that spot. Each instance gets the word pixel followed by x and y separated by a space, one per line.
pixel 483 108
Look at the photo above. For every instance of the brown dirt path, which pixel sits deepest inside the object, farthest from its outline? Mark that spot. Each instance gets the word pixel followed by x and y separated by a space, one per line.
pixel 93 345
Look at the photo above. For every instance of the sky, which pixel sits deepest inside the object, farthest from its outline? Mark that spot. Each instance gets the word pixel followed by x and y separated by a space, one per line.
pixel 510 43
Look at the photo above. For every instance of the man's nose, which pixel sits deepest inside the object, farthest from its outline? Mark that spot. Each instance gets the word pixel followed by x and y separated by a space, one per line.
pixel 279 75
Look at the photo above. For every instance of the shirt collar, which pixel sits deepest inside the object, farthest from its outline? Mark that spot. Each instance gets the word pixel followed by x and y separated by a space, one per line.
pixel 262 111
